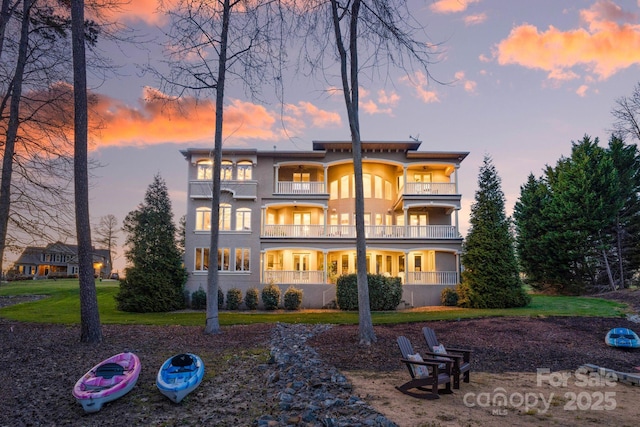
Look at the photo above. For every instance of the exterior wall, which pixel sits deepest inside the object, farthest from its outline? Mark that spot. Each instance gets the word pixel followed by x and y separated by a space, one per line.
pixel 294 239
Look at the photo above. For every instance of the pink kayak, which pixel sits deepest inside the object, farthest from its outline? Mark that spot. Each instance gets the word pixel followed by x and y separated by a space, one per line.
pixel 108 380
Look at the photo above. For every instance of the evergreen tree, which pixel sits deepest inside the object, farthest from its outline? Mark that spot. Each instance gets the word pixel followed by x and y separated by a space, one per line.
pixel 490 278
pixel 155 278
pixel 533 254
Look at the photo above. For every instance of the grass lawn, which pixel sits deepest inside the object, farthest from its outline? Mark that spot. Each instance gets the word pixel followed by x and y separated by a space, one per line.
pixel 62 306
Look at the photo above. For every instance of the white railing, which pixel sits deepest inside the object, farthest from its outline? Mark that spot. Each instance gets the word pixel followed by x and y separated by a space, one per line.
pixel 293 276
pixel 432 231
pixel 431 278
pixel 430 188
pixel 290 187
pixel 293 230
pixel 372 231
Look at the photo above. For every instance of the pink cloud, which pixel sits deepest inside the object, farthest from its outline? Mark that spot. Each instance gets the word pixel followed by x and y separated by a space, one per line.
pixel 420 83
pixel 602 49
pixel 451 6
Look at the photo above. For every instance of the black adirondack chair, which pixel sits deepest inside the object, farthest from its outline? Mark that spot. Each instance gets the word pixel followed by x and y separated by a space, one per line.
pixel 427 385
pixel 461 357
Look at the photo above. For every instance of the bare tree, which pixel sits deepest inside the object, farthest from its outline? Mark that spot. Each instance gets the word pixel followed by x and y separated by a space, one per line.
pixel 107 235
pixel 211 41
pixel 627 115
pixel 91 330
pixel 388 34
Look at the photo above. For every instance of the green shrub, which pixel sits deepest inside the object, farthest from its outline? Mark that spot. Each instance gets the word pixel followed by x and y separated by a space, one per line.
pixel 292 298
pixel 234 298
pixel 251 298
pixel 385 293
pixel 449 297
pixel 271 296
pixel 149 292
pixel 199 299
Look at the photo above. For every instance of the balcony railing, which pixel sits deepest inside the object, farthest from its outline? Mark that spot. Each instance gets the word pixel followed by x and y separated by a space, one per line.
pixel 371 231
pixel 410 278
pixel 294 276
pixel 290 187
pixel 431 278
pixel 240 189
pixel 429 188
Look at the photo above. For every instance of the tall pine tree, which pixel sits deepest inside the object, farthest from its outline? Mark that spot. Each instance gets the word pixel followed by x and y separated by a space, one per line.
pixel 155 279
pixel 490 278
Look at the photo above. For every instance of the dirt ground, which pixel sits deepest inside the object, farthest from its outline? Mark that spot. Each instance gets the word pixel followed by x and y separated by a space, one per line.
pixel 40 363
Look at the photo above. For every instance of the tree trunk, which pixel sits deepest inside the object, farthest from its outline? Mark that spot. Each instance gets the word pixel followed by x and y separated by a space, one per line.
pixel 349 67
pixel 91 331
pixel 212 325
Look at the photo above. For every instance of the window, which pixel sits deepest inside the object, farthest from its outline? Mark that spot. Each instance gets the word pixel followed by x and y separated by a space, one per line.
pixel 202 259
pixel 226 170
pixel 377 187
pixel 344 187
pixel 242 259
pixel 203 219
pixel 333 190
pixel 243 219
pixel 366 185
pixel 205 168
pixel 301 181
pixel 387 190
pixel 245 171
pixel 225 216
pixel 223 259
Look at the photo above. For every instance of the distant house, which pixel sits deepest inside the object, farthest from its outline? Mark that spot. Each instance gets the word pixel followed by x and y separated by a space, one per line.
pixel 57 260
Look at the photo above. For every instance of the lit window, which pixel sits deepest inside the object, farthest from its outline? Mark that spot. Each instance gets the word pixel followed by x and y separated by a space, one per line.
pixel 223 259
pixel 226 170
pixel 366 185
pixel 378 187
pixel 344 187
pixel 242 259
pixel 202 259
pixel 203 219
pixel 245 171
pixel 225 217
pixel 243 219
pixel 333 190
pixel 205 168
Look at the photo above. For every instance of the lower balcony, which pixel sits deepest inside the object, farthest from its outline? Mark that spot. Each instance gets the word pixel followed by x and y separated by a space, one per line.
pixel 371 231
pixel 293 277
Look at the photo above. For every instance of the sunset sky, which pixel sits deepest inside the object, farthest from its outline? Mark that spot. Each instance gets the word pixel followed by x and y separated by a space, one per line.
pixel 524 79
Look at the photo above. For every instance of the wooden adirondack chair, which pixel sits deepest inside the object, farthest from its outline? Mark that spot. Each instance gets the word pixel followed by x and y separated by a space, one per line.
pixel 427 382
pixel 461 357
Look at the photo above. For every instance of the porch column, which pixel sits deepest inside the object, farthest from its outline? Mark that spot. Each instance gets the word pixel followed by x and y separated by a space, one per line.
pixel 405 213
pixel 263 254
pixel 404 177
pixel 263 220
pixel 325 267
pixel 326 178
pixel 276 178
pixel 458 270
pixel 406 267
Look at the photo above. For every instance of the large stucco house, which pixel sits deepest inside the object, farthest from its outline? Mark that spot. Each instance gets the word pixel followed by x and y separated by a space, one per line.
pixel 287 217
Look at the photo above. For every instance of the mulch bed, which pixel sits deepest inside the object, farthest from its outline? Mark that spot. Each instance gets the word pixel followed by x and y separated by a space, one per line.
pixel 41 362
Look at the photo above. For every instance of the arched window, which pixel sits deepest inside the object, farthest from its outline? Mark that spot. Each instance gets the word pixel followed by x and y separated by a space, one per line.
pixel 225 216
pixel 243 219
pixel 245 169
pixel 203 219
pixel 205 168
pixel 226 171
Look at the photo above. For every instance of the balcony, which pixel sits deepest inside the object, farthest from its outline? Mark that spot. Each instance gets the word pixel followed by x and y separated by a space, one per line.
pixel 431 278
pixel 371 231
pixel 291 187
pixel 240 189
pixel 430 188
pixel 294 276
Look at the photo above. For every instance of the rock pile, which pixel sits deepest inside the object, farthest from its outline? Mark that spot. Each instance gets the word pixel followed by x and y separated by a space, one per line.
pixel 307 391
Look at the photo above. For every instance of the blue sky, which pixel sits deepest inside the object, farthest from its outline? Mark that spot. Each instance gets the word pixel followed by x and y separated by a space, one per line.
pixel 529 77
